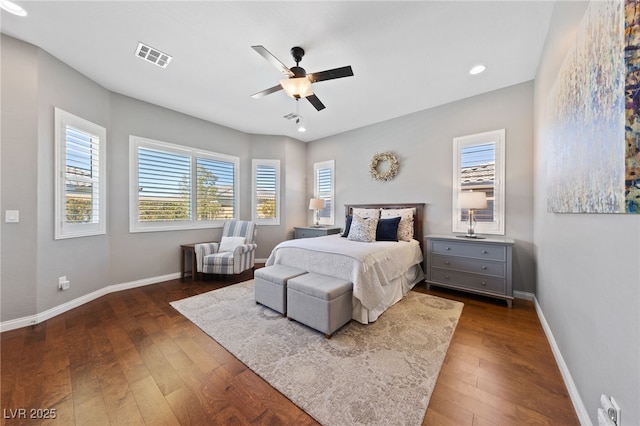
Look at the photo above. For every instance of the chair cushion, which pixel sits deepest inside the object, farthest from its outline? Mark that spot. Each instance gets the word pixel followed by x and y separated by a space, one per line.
pixel 230 243
pixel 224 258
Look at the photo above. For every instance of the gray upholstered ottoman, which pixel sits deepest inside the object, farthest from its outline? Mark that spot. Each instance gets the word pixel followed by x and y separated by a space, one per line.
pixel 270 285
pixel 320 302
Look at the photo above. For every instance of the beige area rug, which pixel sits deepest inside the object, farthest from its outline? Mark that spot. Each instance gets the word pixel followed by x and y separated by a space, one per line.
pixel 377 374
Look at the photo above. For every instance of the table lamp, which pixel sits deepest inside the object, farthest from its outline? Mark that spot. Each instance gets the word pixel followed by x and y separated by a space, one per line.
pixel 472 201
pixel 316 204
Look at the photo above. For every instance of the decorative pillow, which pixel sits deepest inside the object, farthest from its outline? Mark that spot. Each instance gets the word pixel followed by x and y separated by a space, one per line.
pixel 347 225
pixel 365 213
pixel 363 229
pixel 230 243
pixel 387 229
pixel 405 228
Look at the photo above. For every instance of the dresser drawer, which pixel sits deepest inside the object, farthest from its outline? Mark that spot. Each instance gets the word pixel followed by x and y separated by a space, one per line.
pixel 460 279
pixel 308 233
pixel 466 249
pixel 475 266
pixel 321 231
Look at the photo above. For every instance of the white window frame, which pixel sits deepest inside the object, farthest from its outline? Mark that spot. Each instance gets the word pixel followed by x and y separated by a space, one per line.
pixel 329 164
pixel 497 227
pixel 136 142
pixel 63 229
pixel 255 163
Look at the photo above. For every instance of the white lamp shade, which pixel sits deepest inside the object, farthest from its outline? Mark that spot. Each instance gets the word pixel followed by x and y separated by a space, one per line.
pixel 472 200
pixel 316 204
pixel 299 87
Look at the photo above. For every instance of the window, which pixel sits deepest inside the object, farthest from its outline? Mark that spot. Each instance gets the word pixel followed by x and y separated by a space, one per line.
pixel 478 165
pixel 266 192
pixel 177 187
pixel 80 177
pixel 324 184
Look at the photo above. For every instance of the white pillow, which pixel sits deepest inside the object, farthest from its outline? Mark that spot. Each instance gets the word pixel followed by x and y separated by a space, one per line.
pixel 365 213
pixel 388 213
pixel 230 243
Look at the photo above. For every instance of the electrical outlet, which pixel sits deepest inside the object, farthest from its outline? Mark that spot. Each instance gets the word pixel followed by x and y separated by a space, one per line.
pixel 618 411
pixel 603 419
pixel 63 283
pixel 610 409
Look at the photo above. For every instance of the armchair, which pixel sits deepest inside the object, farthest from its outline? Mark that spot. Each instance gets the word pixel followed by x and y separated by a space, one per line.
pixel 235 253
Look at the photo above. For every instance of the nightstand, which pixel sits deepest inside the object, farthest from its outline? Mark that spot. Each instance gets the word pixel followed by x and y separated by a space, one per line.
pixel 481 266
pixel 311 232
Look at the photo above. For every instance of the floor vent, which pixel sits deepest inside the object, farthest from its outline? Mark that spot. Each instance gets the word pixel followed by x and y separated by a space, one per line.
pixel 152 55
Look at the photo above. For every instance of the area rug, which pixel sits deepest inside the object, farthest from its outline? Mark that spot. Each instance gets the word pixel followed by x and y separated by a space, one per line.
pixel 377 374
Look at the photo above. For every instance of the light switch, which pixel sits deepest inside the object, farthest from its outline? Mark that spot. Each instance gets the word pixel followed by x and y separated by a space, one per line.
pixel 12 216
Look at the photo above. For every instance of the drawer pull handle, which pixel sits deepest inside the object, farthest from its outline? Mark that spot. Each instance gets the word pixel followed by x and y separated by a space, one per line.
pixel 448 248
pixel 446 277
pixel 484 252
pixel 484 283
pixel 447 262
pixel 484 267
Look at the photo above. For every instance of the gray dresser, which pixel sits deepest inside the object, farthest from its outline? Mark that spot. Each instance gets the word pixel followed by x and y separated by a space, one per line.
pixel 481 266
pixel 310 232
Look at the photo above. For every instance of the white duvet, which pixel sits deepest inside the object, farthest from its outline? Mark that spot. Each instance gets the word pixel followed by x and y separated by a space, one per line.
pixel 369 266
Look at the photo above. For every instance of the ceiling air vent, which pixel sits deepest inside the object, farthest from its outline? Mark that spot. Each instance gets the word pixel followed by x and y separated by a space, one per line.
pixel 152 55
pixel 292 115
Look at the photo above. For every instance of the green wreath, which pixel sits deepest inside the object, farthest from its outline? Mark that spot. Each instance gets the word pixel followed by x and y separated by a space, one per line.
pixel 387 174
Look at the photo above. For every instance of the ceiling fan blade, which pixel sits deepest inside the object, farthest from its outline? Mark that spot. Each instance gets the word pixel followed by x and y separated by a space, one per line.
pixel 266 92
pixel 313 99
pixel 274 61
pixel 330 74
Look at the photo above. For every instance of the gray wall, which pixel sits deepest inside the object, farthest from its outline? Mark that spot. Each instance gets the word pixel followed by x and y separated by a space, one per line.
pixel 19 161
pixel 588 266
pixel 423 143
pixel 33 83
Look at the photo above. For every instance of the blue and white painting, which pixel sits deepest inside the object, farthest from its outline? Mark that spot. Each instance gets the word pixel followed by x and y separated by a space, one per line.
pixel 586 116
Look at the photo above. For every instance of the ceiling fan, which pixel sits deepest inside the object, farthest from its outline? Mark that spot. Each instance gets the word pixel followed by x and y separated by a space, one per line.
pixel 298 83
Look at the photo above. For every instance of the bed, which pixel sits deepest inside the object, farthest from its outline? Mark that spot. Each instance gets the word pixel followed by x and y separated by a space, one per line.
pixel 382 272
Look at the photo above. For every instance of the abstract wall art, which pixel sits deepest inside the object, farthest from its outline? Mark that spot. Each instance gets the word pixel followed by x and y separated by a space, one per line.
pixel 593 137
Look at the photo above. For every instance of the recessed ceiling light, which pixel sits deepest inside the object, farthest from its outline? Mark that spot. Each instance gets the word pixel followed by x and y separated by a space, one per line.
pixel 11 7
pixel 477 69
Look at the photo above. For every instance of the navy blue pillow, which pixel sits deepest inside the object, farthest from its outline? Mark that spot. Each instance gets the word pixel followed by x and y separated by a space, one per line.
pixel 388 229
pixel 347 225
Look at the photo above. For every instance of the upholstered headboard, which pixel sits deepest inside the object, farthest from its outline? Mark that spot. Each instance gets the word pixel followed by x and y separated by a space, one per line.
pixel 418 215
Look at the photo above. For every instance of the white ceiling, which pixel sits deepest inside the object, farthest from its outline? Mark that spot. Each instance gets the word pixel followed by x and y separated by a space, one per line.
pixel 406 56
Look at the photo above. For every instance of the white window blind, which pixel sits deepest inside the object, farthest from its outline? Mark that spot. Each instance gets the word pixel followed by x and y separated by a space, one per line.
pixel 80 176
pixel 164 186
pixel 82 193
pixel 266 194
pixel 177 187
pixel 479 165
pixel 216 194
pixel 324 188
pixel 478 173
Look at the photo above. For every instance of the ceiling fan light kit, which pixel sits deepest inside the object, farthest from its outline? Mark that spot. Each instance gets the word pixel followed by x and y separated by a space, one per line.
pixel 298 85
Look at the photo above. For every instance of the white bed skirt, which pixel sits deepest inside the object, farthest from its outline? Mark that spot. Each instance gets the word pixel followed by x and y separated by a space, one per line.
pixel 394 291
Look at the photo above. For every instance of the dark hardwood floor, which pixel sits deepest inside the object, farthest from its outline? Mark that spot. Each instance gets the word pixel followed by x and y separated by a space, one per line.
pixel 129 358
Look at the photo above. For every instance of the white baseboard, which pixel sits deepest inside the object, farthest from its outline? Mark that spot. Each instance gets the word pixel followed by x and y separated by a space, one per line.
pixel 523 295
pixel 57 310
pixel 581 411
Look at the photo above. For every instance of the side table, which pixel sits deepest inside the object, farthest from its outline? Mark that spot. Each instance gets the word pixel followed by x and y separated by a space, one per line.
pixel 188 251
pixel 316 231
